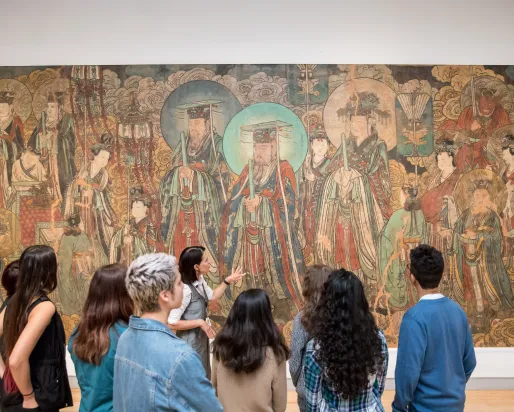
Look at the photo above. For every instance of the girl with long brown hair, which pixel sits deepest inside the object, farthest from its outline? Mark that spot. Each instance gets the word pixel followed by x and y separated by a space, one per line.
pixel 35 376
pixel 313 283
pixel 93 343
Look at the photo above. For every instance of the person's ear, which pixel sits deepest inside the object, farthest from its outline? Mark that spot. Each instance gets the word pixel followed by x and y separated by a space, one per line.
pixel 166 296
pixel 413 279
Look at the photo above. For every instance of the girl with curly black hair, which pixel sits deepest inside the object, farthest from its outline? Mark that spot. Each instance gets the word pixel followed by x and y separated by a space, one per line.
pixel 346 361
pixel 249 365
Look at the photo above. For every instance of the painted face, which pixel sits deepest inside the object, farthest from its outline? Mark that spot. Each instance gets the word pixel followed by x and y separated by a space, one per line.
pixel 205 265
pixel 263 153
pixel 178 291
pixel 102 158
pixel 5 109
pixel 486 105
pixel 481 198
pixel 404 194
pixel 359 126
pixel 506 156
pixel 139 209
pixel 444 161
pixel 319 147
pixel 197 128
pixel 52 111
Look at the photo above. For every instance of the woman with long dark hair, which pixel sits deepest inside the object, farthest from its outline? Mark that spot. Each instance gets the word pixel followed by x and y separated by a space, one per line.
pixel 9 281
pixel 346 361
pixel 249 366
pixel 92 345
pixel 303 323
pixel 190 320
pixel 35 375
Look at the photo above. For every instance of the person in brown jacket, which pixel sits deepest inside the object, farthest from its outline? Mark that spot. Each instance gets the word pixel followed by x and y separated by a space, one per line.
pixel 249 365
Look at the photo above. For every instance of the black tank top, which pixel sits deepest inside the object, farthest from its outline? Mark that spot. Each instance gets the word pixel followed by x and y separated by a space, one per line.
pixel 48 371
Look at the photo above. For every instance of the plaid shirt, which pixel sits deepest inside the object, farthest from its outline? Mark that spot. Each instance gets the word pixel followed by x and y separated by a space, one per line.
pixel 321 397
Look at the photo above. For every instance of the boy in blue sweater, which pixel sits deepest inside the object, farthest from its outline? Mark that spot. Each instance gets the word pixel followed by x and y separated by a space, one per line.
pixel 435 350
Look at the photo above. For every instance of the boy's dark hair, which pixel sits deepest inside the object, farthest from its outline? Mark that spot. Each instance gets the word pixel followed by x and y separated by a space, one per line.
pixel 427 266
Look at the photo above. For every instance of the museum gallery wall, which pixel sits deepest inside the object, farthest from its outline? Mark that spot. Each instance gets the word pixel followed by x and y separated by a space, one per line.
pixel 270 167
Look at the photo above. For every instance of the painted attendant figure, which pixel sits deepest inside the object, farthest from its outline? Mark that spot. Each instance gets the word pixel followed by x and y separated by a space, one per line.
pixel 54 138
pixel 139 236
pixel 11 143
pixel 313 174
pixel 88 196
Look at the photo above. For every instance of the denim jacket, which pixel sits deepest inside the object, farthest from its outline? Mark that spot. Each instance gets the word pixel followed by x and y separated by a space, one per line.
pixel 156 371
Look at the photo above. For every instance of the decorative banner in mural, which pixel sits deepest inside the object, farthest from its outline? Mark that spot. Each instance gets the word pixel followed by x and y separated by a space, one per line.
pixel 308 84
pixel 272 168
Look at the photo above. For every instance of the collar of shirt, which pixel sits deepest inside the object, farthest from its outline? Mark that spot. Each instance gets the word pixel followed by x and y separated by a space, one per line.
pixel 432 296
pixel 198 282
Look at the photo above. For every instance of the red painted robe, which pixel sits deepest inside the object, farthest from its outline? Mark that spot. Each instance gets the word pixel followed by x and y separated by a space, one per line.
pixel 262 251
pixel 432 204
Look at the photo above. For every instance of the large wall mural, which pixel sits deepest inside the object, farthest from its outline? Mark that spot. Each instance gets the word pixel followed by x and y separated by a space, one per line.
pixel 271 167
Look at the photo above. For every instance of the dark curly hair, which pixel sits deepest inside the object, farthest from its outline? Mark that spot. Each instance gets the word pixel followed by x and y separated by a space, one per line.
pixel 427 266
pixel 249 330
pixel 312 288
pixel 347 337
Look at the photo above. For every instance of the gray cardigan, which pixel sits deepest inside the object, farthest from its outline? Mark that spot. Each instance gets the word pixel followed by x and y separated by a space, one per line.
pixel 299 340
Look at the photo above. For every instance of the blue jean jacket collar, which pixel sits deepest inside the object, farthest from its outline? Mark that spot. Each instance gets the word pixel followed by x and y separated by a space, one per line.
pixel 136 322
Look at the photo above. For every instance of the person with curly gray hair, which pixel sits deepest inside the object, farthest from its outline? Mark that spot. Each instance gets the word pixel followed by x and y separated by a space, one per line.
pixel 154 369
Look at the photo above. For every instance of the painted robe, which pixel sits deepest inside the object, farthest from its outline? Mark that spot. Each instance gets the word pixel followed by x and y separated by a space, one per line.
pixel 481 279
pixel 59 157
pixel 473 154
pixel 91 202
pixel 311 187
pixel 405 230
pixel 268 248
pixel 75 257
pixel 436 209
pixel 346 224
pixel 11 147
pixel 508 218
pixel 371 161
pixel 141 239
pixel 191 215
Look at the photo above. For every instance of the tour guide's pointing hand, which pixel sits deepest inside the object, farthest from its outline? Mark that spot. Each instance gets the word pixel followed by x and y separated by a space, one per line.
pixel 236 275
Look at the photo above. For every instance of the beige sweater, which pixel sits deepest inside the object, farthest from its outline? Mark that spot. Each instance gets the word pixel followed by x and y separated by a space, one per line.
pixel 265 390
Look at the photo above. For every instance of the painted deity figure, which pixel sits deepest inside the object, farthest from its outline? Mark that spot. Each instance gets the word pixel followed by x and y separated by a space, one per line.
pixel 54 139
pixel 192 190
pixel 483 284
pixel 139 236
pixel 257 229
pixel 476 125
pixel 508 212
pixel 75 257
pixel 11 144
pixel 312 177
pixel 356 197
pixel 88 197
pixel 405 230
